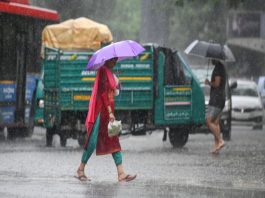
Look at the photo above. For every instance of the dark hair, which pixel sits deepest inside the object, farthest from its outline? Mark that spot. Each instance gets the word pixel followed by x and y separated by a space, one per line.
pixel 216 62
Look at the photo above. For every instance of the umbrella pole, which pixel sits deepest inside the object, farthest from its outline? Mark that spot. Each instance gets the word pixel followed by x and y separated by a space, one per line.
pixel 208 68
pixel 118 75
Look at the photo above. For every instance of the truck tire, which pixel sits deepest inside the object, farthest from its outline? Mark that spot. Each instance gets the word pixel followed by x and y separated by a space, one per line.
pixel 12 133
pixel 2 135
pixel 178 136
pixel 226 129
pixel 28 131
pixel 63 140
pixel 49 136
pixel 82 138
pixel 260 127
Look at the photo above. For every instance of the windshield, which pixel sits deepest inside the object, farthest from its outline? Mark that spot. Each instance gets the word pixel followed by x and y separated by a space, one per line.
pixel 245 90
pixel 202 74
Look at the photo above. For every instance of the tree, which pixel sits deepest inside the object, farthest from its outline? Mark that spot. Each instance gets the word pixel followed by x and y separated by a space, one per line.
pixel 197 20
pixel 125 19
pixel 175 23
pixel 121 16
pixel 155 24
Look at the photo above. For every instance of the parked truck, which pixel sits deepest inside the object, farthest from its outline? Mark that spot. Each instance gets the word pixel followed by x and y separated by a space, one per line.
pixel 20 36
pixel 158 91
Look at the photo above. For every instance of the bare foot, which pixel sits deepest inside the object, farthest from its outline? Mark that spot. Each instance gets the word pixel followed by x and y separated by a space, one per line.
pixel 214 149
pixel 220 145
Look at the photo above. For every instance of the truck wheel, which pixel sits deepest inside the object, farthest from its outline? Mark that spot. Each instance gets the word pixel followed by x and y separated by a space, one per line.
pixel 2 135
pixel 12 133
pixel 260 127
pixel 63 140
pixel 178 136
pixel 28 131
pixel 49 136
pixel 225 126
pixel 82 138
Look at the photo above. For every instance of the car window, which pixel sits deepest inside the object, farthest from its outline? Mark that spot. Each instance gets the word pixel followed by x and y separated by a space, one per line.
pixel 186 73
pixel 175 70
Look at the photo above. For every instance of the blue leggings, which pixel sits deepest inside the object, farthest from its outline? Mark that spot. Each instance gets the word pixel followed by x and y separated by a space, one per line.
pixel 117 156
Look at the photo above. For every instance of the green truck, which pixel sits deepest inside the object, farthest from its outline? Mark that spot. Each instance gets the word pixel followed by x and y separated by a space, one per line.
pixel 158 91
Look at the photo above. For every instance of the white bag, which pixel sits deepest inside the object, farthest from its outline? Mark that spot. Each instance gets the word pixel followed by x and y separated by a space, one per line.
pixel 114 128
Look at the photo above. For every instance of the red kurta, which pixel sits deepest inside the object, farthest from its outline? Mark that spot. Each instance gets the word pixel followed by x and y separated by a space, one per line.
pixel 102 96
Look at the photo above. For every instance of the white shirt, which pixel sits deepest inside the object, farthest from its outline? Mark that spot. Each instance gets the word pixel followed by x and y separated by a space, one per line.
pixel 116 91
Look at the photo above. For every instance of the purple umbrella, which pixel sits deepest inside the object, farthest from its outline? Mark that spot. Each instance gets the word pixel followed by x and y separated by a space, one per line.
pixel 122 50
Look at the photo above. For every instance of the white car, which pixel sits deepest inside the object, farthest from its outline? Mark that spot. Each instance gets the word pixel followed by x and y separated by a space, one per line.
pixel 247 108
pixel 261 88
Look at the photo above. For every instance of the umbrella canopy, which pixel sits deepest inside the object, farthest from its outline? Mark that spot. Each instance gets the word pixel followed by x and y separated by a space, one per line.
pixel 210 50
pixel 122 50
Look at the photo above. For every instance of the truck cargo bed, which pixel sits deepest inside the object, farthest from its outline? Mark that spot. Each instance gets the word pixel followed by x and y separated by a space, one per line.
pixel 68 85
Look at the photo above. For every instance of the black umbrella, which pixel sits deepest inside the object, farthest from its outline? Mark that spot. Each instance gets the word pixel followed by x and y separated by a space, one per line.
pixel 210 50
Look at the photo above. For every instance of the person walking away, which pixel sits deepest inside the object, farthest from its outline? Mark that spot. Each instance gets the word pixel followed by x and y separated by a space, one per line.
pixel 100 113
pixel 216 103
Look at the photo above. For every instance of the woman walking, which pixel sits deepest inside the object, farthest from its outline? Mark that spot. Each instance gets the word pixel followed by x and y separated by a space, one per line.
pixel 100 113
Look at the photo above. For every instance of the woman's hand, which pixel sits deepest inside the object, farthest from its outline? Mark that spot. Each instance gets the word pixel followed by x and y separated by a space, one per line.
pixel 111 117
pixel 207 82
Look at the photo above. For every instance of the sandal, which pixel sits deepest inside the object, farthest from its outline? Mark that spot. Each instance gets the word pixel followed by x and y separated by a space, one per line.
pixel 127 178
pixel 81 175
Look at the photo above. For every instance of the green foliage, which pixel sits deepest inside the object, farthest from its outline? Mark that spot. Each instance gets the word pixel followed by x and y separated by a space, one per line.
pixel 230 3
pixel 125 20
pixel 188 19
pixel 122 16
pixel 203 20
pixel 233 4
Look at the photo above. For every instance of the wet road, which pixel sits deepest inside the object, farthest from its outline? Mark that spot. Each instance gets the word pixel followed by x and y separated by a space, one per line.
pixel 29 169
